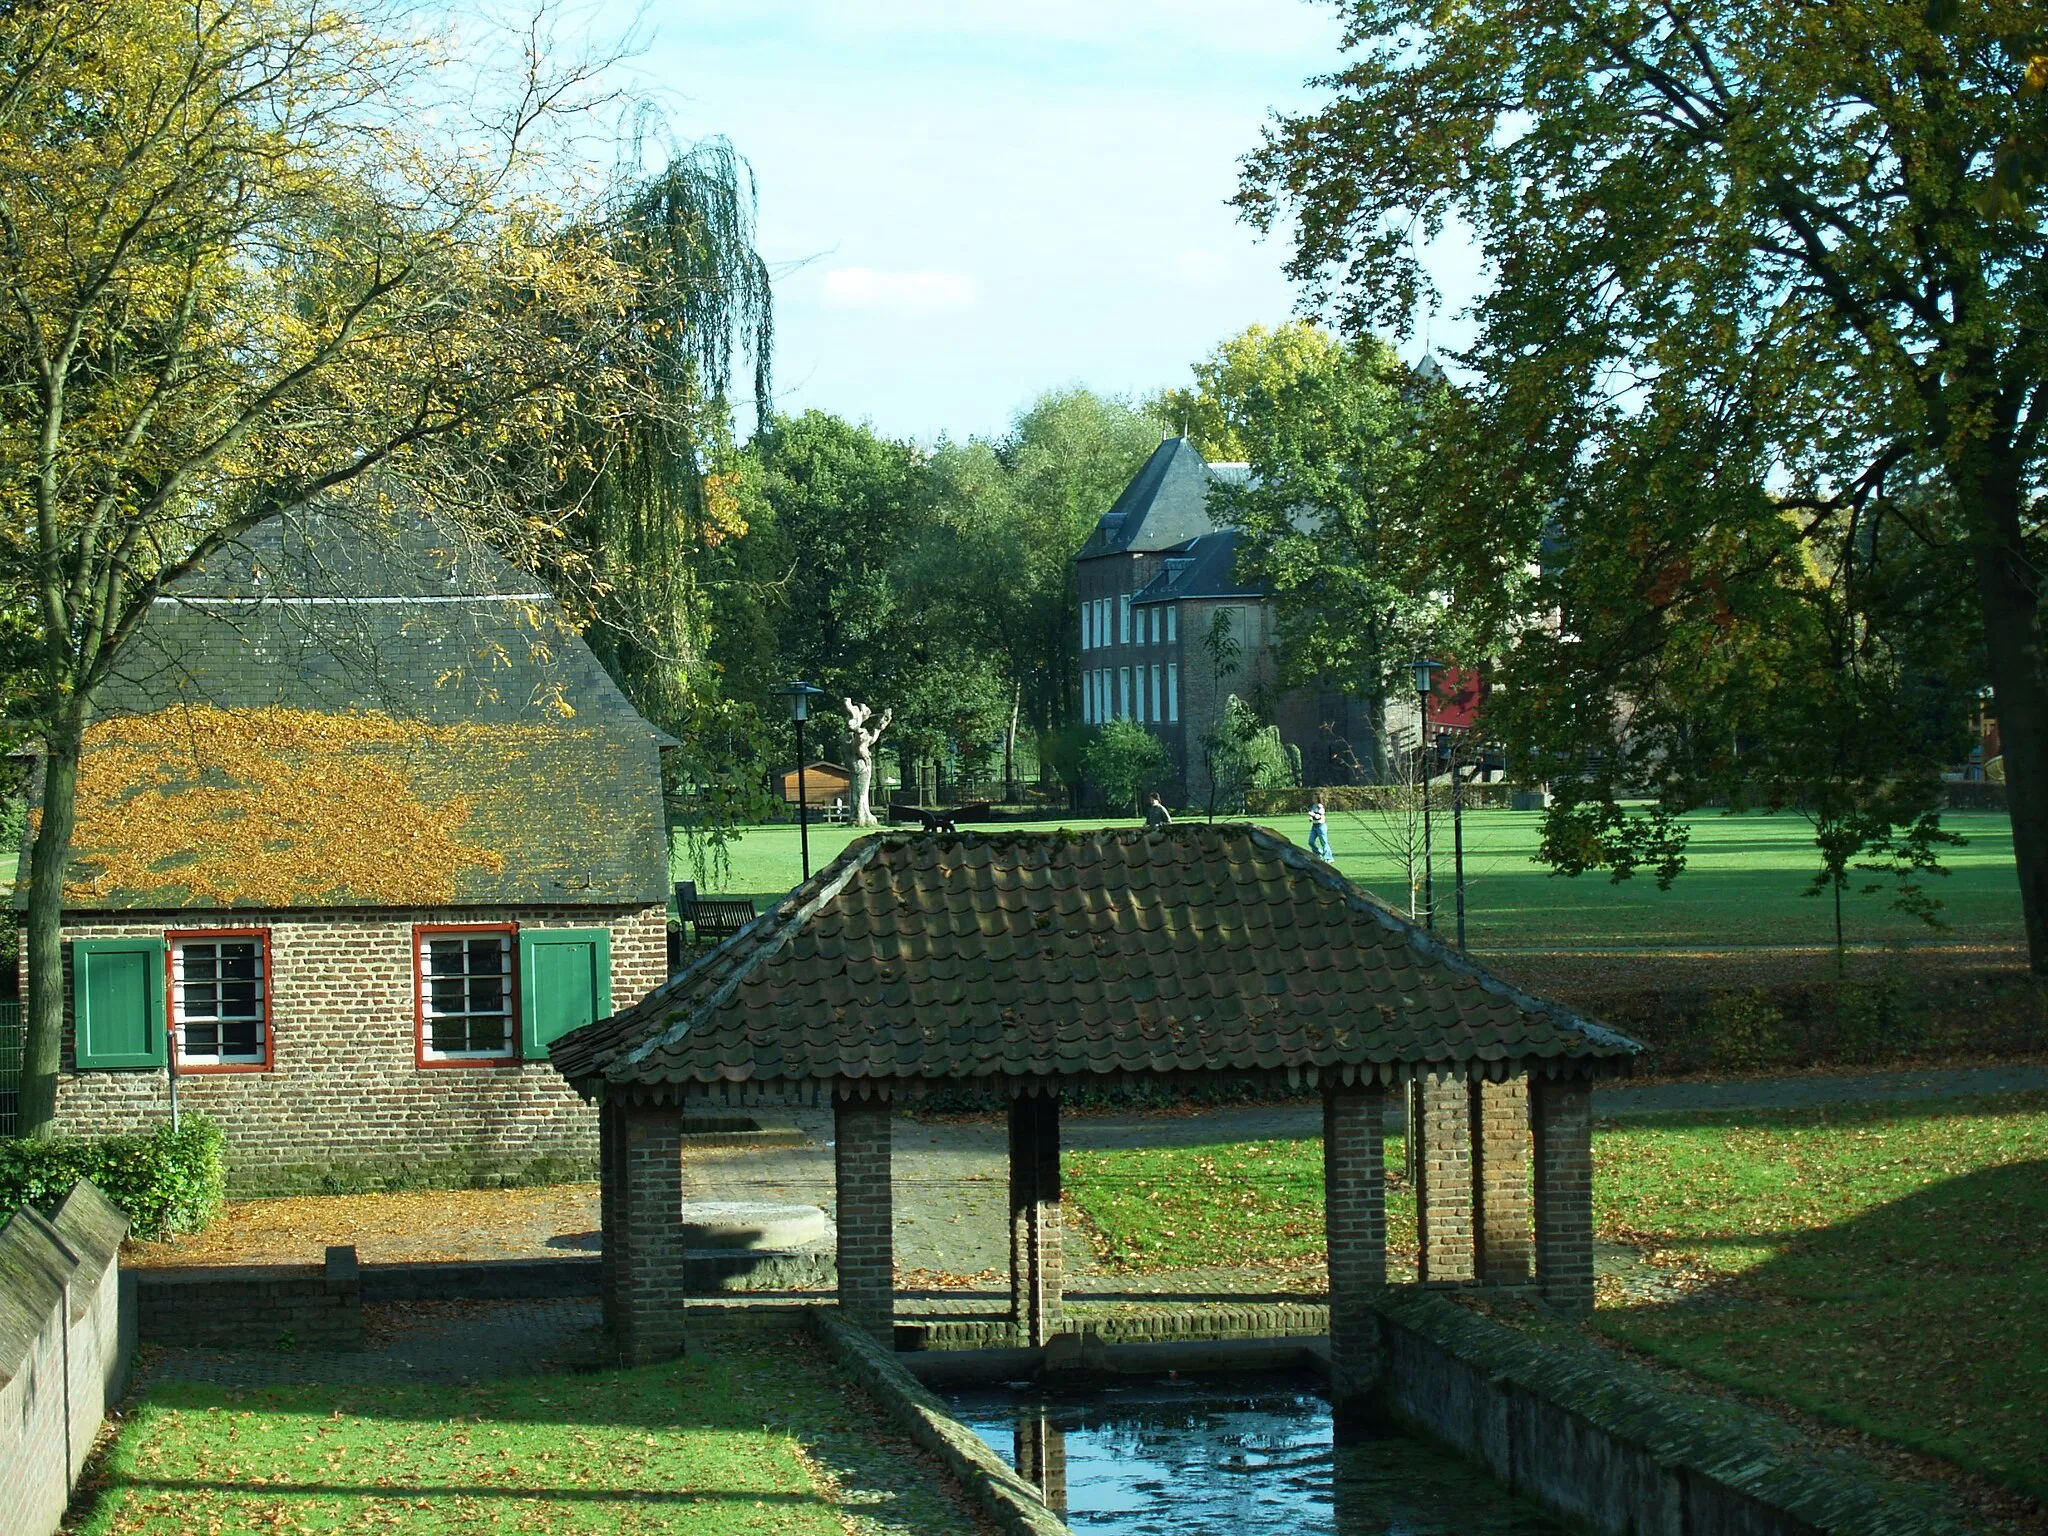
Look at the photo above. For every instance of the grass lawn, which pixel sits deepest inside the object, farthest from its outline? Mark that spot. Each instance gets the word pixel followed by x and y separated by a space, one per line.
pixel 1742 885
pixel 1885 1265
pixel 747 1440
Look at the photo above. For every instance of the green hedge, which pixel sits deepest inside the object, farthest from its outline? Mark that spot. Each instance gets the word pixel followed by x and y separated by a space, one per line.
pixel 165 1181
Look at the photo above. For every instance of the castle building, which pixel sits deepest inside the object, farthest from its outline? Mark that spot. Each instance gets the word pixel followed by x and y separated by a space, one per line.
pixel 1170 633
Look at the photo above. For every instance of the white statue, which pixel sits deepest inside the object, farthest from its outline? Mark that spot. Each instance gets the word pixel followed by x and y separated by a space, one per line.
pixel 864 739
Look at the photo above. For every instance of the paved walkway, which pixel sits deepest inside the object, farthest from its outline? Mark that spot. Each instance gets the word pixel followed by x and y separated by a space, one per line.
pixel 951 1180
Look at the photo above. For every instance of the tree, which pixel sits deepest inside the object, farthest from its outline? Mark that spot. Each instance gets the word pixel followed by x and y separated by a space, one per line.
pixel 251 259
pixel 1811 231
pixel 1216 415
pixel 1334 435
pixel 1019 507
pixel 654 490
pixel 865 728
pixel 1125 760
pixel 1242 753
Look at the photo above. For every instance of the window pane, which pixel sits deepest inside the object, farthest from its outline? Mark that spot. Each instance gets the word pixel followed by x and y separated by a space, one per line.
pixel 466 1000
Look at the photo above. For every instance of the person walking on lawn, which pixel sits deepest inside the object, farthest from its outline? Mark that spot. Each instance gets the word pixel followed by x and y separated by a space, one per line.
pixel 1156 813
pixel 1319 830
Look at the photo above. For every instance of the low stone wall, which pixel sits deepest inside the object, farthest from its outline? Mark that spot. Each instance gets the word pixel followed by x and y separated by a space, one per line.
pixel 269 1306
pixel 1088 1327
pixel 67 1336
pixel 1011 1502
pixel 1601 1443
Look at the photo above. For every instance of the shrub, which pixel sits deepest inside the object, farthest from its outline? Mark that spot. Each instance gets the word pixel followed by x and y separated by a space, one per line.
pixel 165 1181
pixel 1746 1032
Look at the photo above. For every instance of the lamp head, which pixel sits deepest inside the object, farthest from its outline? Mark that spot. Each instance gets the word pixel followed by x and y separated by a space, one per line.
pixel 799 694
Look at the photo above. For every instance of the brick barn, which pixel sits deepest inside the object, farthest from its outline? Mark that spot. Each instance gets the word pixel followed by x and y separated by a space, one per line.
pixel 363 827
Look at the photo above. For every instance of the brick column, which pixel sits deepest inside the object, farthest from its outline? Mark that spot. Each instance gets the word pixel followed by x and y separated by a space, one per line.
pixel 867 1217
pixel 1037 1275
pixel 1500 1174
pixel 1564 1190
pixel 610 1203
pixel 648 1280
pixel 1355 1233
pixel 1443 1179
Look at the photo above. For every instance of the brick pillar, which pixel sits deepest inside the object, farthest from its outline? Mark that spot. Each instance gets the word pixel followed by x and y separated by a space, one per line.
pixel 1355 1233
pixel 1443 1179
pixel 867 1217
pixel 610 1203
pixel 1500 1173
pixel 1563 1117
pixel 1037 1275
pixel 1040 1454
pixel 648 1279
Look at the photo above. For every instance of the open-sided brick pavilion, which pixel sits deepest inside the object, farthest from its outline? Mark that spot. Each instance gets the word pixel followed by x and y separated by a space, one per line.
pixel 1022 966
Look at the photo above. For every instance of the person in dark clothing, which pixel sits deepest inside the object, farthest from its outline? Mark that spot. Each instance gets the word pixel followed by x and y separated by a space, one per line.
pixel 1157 815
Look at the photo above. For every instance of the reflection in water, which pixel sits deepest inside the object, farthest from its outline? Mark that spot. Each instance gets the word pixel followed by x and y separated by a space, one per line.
pixel 1237 1456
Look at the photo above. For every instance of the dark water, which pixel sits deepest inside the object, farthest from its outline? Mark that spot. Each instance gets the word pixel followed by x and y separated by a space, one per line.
pixel 1237 1456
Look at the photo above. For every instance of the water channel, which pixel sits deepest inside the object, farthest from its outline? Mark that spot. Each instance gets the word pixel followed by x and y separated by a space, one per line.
pixel 1252 1455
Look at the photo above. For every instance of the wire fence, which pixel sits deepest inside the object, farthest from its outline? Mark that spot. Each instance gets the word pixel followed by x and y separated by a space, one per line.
pixel 10 1065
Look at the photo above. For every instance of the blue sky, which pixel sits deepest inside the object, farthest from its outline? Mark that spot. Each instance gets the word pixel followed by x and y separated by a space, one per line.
pixel 970 203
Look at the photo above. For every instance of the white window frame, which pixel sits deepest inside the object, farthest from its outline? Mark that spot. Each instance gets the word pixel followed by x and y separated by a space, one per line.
pixel 1172 693
pixel 1172 623
pixel 1154 696
pixel 183 1000
pixel 1123 619
pixel 508 993
pixel 1123 693
pixel 1086 626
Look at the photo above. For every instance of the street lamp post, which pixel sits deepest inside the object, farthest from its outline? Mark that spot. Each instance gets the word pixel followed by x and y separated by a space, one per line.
pixel 1423 670
pixel 800 695
pixel 1457 829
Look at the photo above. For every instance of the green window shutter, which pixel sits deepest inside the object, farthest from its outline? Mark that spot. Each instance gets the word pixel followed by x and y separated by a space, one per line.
pixel 565 981
pixel 118 1002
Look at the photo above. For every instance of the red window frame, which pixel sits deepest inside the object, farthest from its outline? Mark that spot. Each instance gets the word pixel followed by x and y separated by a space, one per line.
pixel 172 1023
pixel 420 1057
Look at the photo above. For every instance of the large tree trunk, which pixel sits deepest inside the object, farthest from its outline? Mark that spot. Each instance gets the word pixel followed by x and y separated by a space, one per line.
pixel 2010 597
pixel 43 1037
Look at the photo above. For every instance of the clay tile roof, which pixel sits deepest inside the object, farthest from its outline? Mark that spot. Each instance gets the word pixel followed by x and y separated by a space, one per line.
pixel 899 962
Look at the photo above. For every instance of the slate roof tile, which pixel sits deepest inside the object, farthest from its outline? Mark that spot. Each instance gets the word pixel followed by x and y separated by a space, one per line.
pixel 1183 948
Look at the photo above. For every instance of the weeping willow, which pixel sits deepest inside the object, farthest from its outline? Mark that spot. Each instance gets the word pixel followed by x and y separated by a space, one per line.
pixel 656 492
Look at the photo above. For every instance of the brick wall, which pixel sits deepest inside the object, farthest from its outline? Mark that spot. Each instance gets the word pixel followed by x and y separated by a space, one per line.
pixel 65 1344
pixel 273 1306
pixel 345 1102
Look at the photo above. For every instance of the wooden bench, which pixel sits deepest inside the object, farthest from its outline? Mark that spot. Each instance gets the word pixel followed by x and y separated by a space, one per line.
pixel 720 917
pixel 711 917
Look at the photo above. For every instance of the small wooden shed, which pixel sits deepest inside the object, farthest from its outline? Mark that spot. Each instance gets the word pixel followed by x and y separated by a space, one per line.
pixel 1021 967
pixel 823 784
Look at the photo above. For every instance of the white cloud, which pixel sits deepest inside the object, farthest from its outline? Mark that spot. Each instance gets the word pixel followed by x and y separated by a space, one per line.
pixel 910 293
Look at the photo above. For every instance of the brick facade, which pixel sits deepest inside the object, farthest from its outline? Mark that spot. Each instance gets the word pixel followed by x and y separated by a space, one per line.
pixel 344 1097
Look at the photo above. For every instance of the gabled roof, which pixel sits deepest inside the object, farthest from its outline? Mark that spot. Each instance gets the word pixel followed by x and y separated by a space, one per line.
pixel 1166 503
pixel 362 709
pixel 1069 956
